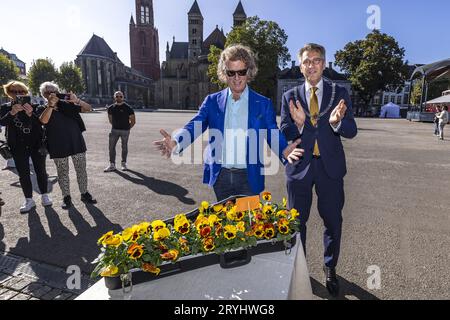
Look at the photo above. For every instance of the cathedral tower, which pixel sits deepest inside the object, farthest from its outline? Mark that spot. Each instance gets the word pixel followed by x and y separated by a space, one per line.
pixel 144 40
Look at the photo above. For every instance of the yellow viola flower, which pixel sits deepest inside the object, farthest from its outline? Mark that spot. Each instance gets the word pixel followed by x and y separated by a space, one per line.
pixel 213 220
pixel 110 271
pixel 269 231
pixel 208 244
pixel 267 210
pixel 205 205
pixel 161 234
pixel 170 255
pixel 115 241
pixel 135 251
pixel 182 224
pixel 230 232
pixel 201 221
pixel 294 214
pixel 148 267
pixel 131 234
pixel 145 227
pixel 258 230
pixel 231 214
pixel 282 214
pixel 266 196
pixel 218 208
pixel 283 228
pixel 241 226
pixel 240 216
pixel 104 237
pixel 184 245
pixel 178 217
pixel 284 202
pixel 158 224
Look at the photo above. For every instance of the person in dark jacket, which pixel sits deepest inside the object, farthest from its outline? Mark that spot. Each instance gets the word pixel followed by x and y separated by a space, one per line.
pixel 64 127
pixel 24 136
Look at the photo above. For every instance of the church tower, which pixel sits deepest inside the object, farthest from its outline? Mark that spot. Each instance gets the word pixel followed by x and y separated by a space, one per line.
pixel 195 31
pixel 144 40
pixel 239 15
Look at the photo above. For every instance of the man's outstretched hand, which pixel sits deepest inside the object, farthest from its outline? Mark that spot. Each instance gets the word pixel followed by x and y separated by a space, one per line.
pixel 292 153
pixel 338 113
pixel 166 145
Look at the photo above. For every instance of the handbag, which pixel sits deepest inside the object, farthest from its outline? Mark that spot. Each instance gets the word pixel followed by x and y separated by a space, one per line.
pixel 5 151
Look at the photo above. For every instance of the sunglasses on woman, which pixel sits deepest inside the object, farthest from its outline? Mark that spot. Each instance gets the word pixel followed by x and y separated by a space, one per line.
pixel 17 92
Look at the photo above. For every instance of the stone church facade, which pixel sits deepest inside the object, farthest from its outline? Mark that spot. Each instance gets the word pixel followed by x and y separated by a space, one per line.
pixel 104 73
pixel 184 82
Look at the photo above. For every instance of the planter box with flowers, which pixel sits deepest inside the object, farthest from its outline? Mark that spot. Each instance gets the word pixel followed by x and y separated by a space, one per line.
pixel 228 232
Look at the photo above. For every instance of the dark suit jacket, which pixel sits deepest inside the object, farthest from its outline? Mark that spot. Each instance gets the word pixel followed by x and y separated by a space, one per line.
pixel 330 145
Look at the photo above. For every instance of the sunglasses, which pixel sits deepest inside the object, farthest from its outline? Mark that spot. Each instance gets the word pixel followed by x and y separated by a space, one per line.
pixel 16 92
pixel 119 96
pixel 232 73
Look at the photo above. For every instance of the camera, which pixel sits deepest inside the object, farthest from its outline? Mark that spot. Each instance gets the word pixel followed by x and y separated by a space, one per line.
pixel 22 100
pixel 63 96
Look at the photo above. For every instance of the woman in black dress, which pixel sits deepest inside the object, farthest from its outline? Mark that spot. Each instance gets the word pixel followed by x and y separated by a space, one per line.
pixel 24 137
pixel 64 128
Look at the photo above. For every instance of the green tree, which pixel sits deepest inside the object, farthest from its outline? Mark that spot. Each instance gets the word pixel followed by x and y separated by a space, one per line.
pixel 70 78
pixel 8 71
pixel 435 88
pixel 416 93
pixel 268 42
pixel 373 64
pixel 41 70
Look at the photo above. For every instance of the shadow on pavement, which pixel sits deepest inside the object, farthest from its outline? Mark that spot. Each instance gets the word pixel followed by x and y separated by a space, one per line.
pixel 346 289
pixel 158 186
pixel 51 181
pixel 61 247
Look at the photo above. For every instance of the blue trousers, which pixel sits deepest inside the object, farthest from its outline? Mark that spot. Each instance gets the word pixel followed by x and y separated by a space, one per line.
pixel 330 194
pixel 232 182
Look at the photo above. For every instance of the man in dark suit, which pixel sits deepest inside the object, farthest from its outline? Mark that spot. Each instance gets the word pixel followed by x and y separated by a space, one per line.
pixel 238 119
pixel 319 112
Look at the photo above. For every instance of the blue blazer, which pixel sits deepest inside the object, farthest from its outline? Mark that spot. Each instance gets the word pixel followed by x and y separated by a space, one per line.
pixel 261 115
pixel 330 145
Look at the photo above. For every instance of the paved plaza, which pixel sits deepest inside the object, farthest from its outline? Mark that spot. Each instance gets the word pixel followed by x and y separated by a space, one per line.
pixel 396 215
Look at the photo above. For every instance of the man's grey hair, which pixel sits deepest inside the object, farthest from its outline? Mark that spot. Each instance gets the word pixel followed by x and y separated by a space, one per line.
pixel 237 53
pixel 48 86
pixel 118 92
pixel 312 47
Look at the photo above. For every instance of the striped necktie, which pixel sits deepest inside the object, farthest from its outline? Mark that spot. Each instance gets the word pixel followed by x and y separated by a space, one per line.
pixel 314 110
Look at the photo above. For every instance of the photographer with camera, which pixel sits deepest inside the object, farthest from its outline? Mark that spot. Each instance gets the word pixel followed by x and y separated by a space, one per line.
pixel 64 127
pixel 24 137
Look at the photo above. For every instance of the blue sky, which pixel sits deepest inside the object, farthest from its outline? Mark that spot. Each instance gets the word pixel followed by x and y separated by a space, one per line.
pixel 60 29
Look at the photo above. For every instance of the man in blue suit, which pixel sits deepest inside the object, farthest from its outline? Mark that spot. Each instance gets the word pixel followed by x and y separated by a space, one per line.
pixel 239 120
pixel 320 113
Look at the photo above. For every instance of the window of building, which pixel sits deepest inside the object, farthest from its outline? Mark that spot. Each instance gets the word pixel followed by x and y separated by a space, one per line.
pixel 194 31
pixel 393 99
pixel 143 51
pixel 194 41
pixel 145 15
pixel 399 100
pixel 386 99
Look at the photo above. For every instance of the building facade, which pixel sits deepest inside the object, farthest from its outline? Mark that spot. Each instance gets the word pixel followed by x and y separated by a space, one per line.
pixel 184 81
pixel 104 73
pixel 19 63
